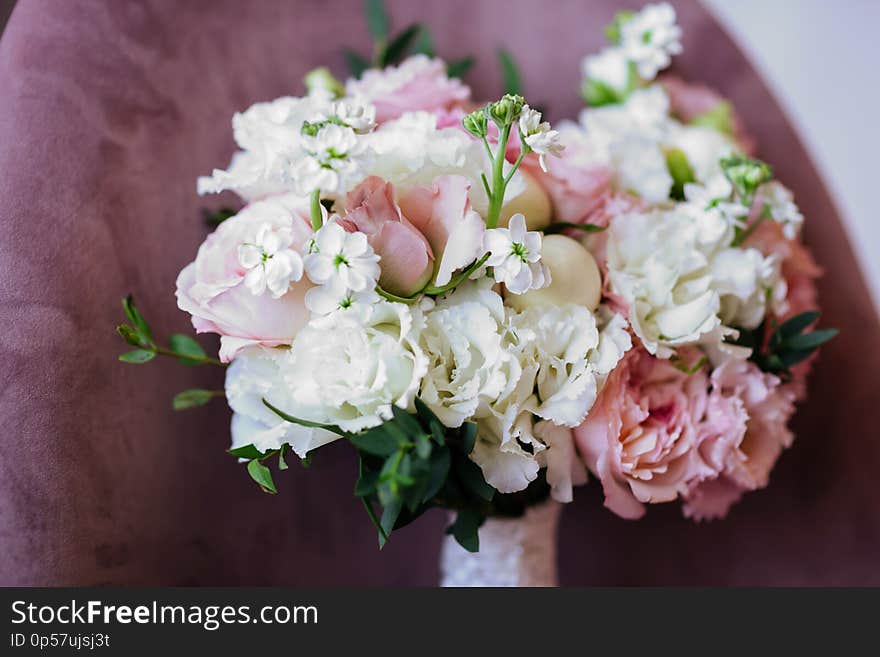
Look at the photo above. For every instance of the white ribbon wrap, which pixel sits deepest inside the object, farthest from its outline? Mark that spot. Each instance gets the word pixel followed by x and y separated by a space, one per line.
pixel 513 552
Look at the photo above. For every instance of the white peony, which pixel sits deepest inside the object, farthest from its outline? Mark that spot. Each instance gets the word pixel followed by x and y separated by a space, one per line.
pixel 349 372
pixel 657 265
pixel 259 373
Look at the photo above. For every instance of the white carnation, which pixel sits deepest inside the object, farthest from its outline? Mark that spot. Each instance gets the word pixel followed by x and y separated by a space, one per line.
pixel 270 139
pixel 350 372
pixel 462 337
pixel 259 373
pixel 656 263
pixel 746 281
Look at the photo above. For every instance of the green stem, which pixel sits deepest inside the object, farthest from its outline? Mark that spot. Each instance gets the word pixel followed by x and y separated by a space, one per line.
pixel 394 297
pixel 747 232
pixel 205 360
pixel 523 152
pixel 317 218
pixel 498 185
pixel 456 280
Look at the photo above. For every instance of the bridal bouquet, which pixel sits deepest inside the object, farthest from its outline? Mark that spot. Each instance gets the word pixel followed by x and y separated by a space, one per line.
pixel 486 307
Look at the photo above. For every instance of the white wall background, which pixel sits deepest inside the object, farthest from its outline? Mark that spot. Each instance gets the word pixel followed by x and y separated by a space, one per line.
pixel 821 58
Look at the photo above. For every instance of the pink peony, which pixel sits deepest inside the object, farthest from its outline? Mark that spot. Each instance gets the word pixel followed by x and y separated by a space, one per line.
pixel 687 101
pixel 639 438
pixel 213 290
pixel 419 83
pixel 744 433
pixel 442 213
pixel 406 258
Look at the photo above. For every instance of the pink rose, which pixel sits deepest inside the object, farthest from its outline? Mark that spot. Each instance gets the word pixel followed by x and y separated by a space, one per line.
pixel 442 213
pixel 213 288
pixel 407 261
pixel 639 438
pixel 744 433
pixel 419 83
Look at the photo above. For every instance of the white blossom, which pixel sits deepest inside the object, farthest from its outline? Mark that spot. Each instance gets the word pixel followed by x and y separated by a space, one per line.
pixel 332 160
pixel 462 337
pixel 746 281
pixel 515 256
pixel 350 373
pixel 650 37
pixel 610 67
pixel 343 259
pixel 335 297
pixel 779 202
pixel 539 136
pixel 658 266
pixel 357 115
pixel 259 373
pixel 270 262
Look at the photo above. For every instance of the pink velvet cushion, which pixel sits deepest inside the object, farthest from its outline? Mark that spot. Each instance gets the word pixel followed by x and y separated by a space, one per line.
pixel 110 110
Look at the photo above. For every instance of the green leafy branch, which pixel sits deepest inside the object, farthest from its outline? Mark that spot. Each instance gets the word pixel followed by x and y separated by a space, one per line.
pixel 409 464
pixel 138 333
pixel 787 345
pixel 391 49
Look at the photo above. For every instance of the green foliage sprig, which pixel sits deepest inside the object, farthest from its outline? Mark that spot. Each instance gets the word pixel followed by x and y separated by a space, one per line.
pixel 409 464
pixel 138 333
pixel 391 49
pixel 788 344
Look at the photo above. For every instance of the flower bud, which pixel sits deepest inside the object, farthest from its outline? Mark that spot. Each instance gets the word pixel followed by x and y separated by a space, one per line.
pixel 322 79
pixel 507 110
pixel 476 123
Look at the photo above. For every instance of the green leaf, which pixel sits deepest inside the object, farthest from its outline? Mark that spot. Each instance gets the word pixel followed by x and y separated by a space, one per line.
pixel 376 441
pixel 218 216
pixel 356 63
pixel 468 436
pixel 458 68
pixel 472 477
pixel 261 474
pixel 597 93
pixel 383 536
pixel 138 356
pixel 509 72
pixel 680 170
pixel 786 359
pixel 129 335
pixel 245 452
pixel 193 397
pixel 304 423
pixel 465 529
pixel 612 30
pixel 400 44
pixel 187 349
pixel 407 422
pixel 561 226
pixel 366 483
pixel 719 118
pixel 425 43
pixel 423 446
pixel 809 340
pixel 282 464
pixel 389 517
pixel 439 471
pixel 140 324
pixel 377 19
pixel 795 325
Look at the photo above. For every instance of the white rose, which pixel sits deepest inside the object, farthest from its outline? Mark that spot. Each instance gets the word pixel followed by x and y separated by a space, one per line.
pixel 259 373
pixel 349 373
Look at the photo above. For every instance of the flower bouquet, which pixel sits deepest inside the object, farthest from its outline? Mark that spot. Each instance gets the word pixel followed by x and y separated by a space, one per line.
pixel 487 308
